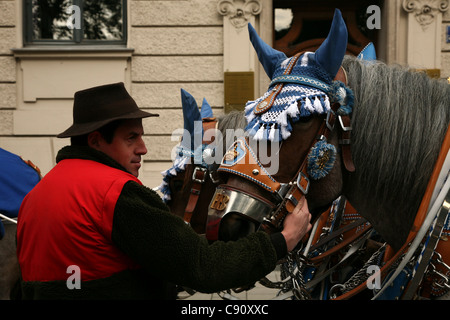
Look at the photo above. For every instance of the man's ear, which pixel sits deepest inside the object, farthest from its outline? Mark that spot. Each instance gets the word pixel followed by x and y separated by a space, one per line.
pixel 94 140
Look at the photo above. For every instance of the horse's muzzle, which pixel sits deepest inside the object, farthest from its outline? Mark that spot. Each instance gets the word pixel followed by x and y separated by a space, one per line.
pixel 228 200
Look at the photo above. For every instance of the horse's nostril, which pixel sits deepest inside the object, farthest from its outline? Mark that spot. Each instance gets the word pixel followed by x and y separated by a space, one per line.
pixel 234 226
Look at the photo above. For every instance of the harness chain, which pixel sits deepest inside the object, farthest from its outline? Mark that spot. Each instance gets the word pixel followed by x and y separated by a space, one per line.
pixel 360 276
pixel 424 254
pixel 297 284
pixel 437 276
pixel 293 269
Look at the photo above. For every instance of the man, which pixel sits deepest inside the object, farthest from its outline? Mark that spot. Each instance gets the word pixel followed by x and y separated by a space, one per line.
pixel 90 219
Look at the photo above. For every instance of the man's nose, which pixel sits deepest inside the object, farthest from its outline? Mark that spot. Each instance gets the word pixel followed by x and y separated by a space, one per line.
pixel 141 148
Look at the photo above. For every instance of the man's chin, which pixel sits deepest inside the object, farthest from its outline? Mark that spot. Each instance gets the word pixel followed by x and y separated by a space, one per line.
pixel 134 169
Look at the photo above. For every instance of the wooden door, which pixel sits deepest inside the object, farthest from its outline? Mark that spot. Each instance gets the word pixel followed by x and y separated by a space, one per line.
pixel 311 21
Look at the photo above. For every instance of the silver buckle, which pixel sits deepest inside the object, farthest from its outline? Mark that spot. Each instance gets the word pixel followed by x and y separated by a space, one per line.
pixel 281 192
pixel 292 199
pixel 194 178
pixel 329 126
pixel 299 178
pixel 343 126
pixel 211 176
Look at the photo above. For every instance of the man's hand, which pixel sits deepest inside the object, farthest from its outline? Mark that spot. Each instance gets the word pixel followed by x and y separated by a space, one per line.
pixel 296 224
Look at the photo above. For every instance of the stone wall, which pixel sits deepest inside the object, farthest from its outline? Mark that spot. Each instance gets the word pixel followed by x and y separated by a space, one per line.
pixel 177 44
pixel 8 34
pixel 171 45
pixel 445 61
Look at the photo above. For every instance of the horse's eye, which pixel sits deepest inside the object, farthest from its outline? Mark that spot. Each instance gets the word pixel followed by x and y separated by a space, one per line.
pixel 305 119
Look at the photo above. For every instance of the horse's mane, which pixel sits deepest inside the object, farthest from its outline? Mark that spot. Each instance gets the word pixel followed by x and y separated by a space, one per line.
pixel 235 121
pixel 399 122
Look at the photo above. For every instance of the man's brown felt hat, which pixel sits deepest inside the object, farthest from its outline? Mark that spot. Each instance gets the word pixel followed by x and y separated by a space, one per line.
pixel 95 107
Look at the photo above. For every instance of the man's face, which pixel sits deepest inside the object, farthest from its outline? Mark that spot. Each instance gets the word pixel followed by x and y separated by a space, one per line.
pixel 127 146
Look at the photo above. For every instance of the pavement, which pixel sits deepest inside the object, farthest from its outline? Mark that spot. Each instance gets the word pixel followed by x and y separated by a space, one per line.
pixel 259 292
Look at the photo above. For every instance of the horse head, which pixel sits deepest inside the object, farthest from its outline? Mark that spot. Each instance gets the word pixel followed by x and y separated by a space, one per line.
pixel 289 126
pixel 189 184
pixel 395 119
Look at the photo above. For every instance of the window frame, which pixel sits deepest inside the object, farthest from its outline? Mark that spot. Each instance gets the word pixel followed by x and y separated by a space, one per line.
pixel 78 33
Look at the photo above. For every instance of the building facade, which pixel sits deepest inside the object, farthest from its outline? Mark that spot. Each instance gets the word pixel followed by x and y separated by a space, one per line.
pixel 51 49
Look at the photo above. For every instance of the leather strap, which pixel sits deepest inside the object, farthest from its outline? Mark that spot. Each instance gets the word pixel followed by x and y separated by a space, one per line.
pixel 351 251
pixel 198 178
pixel 267 103
pixel 345 131
pixel 208 124
pixel 344 141
pixel 299 187
pixel 338 232
pixel 199 175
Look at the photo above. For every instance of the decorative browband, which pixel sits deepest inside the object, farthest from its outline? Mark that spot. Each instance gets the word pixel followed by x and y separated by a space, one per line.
pixel 242 161
pixel 304 80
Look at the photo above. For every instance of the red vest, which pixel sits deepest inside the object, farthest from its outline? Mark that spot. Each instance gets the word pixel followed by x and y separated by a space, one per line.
pixel 67 220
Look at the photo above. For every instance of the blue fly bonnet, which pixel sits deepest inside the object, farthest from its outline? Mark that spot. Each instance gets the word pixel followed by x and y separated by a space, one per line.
pixel 191 146
pixel 368 53
pixel 302 86
pixel 308 87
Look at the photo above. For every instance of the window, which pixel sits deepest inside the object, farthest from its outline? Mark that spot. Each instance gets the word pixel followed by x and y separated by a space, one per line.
pixel 79 22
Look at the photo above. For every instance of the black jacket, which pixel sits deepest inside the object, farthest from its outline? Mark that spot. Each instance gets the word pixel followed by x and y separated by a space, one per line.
pixel 168 251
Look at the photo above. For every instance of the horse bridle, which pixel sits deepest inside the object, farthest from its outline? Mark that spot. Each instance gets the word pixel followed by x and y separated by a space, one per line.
pixel 269 214
pixel 200 174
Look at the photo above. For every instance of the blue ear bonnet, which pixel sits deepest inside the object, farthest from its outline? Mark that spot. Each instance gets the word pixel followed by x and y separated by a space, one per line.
pixel 191 142
pixel 368 53
pixel 308 89
pixel 294 101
